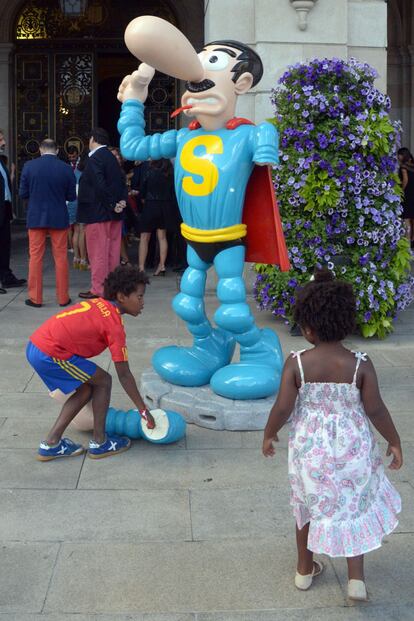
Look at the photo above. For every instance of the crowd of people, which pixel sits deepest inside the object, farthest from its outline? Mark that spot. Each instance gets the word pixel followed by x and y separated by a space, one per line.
pixel 92 204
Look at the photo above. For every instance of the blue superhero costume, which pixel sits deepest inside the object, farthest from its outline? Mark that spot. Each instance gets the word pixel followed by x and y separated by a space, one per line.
pixel 212 169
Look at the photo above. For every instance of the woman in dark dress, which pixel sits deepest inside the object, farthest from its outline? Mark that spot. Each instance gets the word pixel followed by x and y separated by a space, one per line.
pixel 406 173
pixel 157 215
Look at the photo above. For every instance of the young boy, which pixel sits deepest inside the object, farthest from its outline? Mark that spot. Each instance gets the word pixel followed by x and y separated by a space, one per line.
pixel 58 351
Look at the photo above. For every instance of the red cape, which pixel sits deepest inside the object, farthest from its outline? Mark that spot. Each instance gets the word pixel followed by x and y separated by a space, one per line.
pixel 265 240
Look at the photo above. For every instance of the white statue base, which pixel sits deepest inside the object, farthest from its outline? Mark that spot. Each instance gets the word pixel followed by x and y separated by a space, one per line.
pixel 203 407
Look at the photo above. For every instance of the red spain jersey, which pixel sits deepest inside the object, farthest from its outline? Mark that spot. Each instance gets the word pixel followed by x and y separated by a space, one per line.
pixel 85 329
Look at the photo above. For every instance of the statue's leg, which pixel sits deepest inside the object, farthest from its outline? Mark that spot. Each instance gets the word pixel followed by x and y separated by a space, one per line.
pixel 211 349
pixel 257 375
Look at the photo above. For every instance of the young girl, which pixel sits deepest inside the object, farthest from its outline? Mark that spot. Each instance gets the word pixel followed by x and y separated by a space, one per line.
pixel 342 500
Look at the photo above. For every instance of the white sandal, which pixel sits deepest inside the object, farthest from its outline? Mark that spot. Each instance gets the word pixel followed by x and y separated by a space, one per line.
pixel 357 590
pixel 304 582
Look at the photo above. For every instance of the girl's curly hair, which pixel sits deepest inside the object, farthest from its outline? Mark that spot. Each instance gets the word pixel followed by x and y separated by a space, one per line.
pixel 327 307
pixel 124 279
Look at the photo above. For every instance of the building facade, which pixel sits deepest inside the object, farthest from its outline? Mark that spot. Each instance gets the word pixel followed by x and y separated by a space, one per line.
pixel 59 73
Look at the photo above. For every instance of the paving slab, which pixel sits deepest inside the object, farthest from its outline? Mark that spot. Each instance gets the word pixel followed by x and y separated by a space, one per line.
pixel 405 424
pixel 242 513
pixel 27 432
pixel 406 473
pixel 372 613
pixel 388 580
pixel 254 439
pixel 57 515
pixel 175 469
pixel 19 469
pixel 200 438
pixel 16 374
pixel 26 570
pixel 186 577
pixel 63 616
pixel 24 404
pixel 399 399
pixel 406 517
pixel 401 376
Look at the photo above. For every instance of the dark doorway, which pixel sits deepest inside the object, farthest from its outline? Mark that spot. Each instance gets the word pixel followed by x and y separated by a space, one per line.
pixel 111 69
pixel 161 101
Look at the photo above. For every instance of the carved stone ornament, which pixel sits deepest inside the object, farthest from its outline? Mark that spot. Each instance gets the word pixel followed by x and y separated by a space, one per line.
pixel 302 7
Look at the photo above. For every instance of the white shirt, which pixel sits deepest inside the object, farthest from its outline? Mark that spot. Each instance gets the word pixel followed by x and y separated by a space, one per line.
pixel 96 149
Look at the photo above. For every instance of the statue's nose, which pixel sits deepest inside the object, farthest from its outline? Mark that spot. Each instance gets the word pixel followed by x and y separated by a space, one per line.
pixel 162 46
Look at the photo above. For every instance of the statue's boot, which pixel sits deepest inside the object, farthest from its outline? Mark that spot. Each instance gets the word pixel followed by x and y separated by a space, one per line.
pixel 258 373
pixel 194 366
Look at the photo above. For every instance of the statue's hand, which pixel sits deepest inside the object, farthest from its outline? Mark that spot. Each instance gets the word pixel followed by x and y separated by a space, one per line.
pixel 135 86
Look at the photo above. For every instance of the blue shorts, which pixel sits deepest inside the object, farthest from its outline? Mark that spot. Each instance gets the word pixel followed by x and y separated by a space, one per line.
pixel 67 375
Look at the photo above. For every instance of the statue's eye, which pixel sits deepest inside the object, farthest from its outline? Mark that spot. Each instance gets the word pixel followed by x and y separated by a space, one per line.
pixel 214 61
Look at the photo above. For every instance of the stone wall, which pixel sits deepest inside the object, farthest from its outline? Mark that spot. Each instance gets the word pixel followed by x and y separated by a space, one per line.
pixel 341 28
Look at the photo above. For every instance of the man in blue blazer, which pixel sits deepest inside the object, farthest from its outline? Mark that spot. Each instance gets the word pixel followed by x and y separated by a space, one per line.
pixel 48 183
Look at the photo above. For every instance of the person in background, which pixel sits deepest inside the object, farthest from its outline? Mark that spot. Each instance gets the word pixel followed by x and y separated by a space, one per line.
pixel 72 160
pixel 406 173
pixel 47 183
pixel 158 212
pixel 101 201
pixel 7 278
pixel 124 239
pixel 79 236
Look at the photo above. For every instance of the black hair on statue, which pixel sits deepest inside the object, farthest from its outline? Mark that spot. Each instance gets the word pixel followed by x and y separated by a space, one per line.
pixel 124 279
pixel 248 60
pixel 326 306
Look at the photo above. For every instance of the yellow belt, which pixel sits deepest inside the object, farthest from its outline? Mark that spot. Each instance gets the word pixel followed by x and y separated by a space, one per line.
pixel 204 236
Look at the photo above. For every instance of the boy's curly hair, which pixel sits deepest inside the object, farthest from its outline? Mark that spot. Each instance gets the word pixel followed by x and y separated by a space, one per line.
pixel 124 279
pixel 326 306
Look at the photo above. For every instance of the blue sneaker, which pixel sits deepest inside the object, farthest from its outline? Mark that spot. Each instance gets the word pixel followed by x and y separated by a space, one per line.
pixel 111 446
pixel 65 448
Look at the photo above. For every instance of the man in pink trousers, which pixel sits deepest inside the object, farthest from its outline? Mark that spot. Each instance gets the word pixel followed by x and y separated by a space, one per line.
pixel 101 199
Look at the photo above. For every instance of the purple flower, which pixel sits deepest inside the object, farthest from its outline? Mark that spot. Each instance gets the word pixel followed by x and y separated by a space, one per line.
pixel 323 141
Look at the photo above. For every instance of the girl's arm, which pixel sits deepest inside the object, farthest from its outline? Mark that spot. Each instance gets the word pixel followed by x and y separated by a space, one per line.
pixel 378 414
pixel 283 406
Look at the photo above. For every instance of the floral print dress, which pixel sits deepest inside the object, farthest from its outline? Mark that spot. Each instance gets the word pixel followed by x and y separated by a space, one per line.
pixel 336 472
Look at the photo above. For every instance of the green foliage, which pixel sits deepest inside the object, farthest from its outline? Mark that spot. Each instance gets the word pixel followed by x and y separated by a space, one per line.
pixel 339 193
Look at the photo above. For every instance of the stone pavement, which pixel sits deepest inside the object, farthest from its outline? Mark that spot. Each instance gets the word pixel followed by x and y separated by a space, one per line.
pixel 198 531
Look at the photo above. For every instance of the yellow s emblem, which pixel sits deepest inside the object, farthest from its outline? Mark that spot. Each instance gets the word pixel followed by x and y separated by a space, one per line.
pixel 200 165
